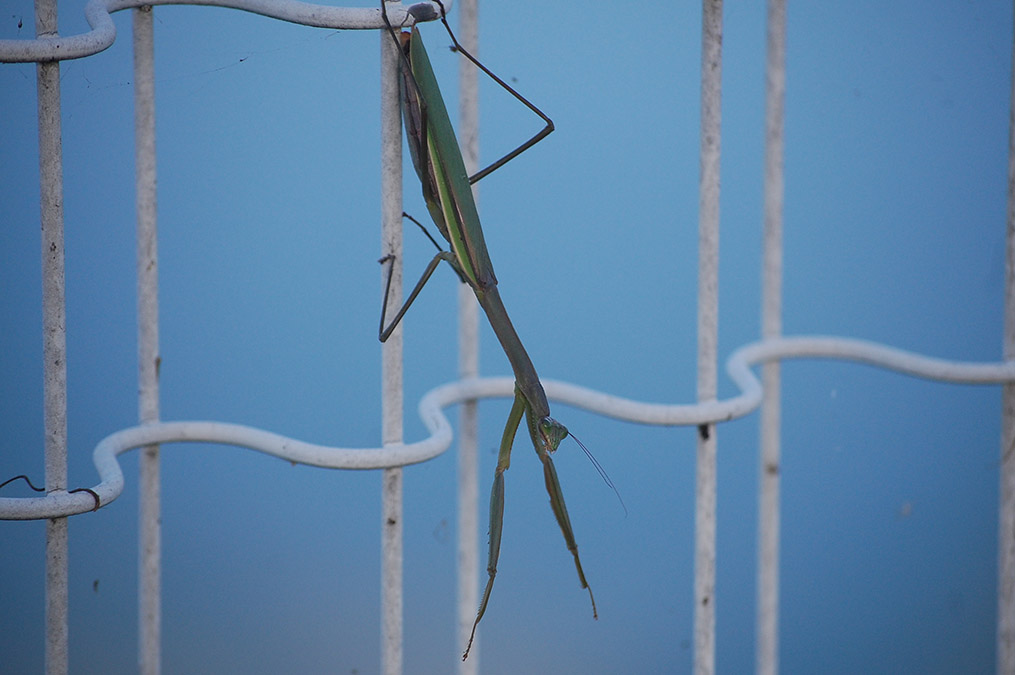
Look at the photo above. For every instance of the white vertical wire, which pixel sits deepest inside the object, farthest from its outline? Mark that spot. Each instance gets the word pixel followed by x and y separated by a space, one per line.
pixel 708 325
pixel 767 648
pixel 468 360
pixel 149 517
pixel 391 360
pixel 54 338
pixel 1006 515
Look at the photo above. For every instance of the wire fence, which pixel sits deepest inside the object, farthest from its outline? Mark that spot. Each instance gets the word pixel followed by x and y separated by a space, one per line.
pixel 49 49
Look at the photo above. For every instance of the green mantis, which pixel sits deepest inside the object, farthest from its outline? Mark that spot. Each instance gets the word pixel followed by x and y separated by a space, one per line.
pixel 448 195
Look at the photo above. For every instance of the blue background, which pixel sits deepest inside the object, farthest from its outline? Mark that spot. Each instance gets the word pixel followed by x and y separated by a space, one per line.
pixel 268 144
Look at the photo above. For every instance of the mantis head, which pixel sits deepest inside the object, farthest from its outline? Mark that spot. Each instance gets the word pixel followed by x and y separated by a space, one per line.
pixel 551 432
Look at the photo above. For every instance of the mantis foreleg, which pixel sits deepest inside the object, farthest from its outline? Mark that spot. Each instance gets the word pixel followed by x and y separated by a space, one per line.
pixel 557 502
pixel 519 407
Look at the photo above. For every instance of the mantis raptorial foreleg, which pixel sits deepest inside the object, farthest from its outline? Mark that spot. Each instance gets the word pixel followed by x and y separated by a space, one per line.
pixel 497 505
pixel 557 500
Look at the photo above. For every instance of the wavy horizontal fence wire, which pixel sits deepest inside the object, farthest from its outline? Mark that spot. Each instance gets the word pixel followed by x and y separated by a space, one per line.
pixel 49 50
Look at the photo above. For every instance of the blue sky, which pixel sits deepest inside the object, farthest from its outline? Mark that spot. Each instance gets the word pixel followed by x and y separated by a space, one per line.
pixel 896 130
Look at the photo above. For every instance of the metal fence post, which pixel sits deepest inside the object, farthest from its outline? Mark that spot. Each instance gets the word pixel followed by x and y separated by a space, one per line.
pixel 149 491
pixel 54 338
pixel 468 360
pixel 708 325
pixel 767 648
pixel 391 361
pixel 1006 515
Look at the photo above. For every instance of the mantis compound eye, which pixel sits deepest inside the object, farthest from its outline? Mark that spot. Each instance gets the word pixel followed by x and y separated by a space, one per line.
pixel 553 432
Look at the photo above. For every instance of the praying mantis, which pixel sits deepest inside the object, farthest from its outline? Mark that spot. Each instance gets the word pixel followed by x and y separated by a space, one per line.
pixel 448 194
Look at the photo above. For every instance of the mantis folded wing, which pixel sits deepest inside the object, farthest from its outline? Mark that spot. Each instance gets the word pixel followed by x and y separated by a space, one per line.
pixel 448 195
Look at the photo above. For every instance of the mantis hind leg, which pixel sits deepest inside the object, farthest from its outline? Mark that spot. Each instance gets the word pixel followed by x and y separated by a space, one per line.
pixel 519 407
